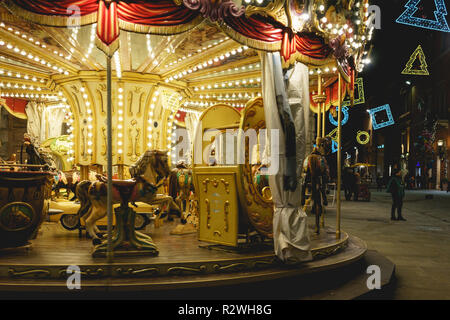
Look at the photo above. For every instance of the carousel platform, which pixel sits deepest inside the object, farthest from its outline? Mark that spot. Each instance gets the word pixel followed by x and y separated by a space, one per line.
pixel 184 266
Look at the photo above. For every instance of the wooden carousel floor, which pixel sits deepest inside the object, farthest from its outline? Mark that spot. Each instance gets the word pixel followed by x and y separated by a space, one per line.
pixel 55 245
pixel 183 262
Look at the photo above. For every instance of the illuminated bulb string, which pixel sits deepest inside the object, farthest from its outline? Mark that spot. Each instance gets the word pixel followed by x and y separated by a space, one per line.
pixel 87 103
pixel 206 63
pixel 120 121
pixel 150 119
pixel 32 40
pixel 198 52
pixel 16 51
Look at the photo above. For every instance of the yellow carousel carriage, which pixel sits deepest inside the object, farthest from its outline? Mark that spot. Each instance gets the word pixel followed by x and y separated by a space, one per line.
pixel 231 204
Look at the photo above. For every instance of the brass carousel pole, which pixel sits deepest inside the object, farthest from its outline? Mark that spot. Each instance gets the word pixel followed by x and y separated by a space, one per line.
pixel 338 187
pixel 109 157
pixel 323 119
pixel 319 111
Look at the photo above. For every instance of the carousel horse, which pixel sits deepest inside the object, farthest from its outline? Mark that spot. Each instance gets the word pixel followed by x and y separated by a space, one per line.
pixel 316 174
pixel 148 174
pixel 69 180
pixel 261 181
pixel 181 186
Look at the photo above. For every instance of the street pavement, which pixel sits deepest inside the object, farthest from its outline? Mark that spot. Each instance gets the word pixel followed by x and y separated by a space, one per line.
pixel 419 247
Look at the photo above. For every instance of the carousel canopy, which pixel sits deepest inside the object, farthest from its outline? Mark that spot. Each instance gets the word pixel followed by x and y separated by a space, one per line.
pixel 168 58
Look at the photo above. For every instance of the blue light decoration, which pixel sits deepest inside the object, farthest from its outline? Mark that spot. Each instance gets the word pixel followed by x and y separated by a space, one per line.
pixel 343 121
pixel 378 125
pixel 440 24
pixel 334 146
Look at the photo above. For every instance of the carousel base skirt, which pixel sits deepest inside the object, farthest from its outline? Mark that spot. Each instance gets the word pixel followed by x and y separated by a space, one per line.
pixel 183 263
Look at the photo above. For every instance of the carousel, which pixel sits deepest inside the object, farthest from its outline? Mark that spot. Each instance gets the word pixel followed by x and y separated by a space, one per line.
pixel 176 144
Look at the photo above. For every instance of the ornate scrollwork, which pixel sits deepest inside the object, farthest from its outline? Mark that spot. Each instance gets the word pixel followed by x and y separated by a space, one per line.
pixel 99 272
pixel 38 273
pixel 137 272
pixel 215 10
pixel 182 270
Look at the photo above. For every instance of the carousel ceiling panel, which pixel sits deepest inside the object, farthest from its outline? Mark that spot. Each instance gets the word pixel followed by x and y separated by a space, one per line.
pixel 33 56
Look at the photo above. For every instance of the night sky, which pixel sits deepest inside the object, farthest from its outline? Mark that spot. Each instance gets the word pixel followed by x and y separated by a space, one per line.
pixel 393 45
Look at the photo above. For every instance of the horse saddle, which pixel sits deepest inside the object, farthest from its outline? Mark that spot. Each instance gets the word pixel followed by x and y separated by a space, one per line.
pixel 123 187
pixel 118 183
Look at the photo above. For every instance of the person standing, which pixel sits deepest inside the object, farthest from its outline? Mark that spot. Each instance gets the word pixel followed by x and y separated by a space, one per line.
pixel 396 188
pixel 379 182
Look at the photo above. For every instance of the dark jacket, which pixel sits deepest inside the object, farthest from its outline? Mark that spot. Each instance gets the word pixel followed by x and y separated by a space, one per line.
pixel 396 187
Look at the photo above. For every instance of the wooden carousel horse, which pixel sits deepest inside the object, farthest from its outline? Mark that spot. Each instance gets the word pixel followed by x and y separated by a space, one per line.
pixel 148 174
pixel 181 187
pixel 316 175
pixel 69 180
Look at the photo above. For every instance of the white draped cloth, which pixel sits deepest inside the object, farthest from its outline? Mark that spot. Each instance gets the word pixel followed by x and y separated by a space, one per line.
pixel 40 118
pixel 290 227
pixel 191 120
pixel 35 122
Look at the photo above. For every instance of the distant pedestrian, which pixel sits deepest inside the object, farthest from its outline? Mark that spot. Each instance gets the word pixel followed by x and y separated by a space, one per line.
pixel 379 182
pixel 348 183
pixel 396 188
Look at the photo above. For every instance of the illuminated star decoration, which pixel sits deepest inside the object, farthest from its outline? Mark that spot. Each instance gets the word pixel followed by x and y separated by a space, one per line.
pixel 343 121
pixel 381 124
pixel 440 24
pixel 423 64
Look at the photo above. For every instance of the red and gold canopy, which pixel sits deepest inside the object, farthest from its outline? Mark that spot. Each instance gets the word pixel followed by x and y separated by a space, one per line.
pixel 171 17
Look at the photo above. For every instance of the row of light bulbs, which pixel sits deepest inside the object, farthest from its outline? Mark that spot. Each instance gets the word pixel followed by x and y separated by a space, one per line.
pixel 151 54
pixel 17 86
pixel 70 119
pixel 250 67
pixel 24 53
pixel 231 84
pixel 150 118
pixel 207 63
pixel 29 96
pixel 324 70
pixel 87 103
pixel 18 75
pixel 205 104
pixel 198 52
pixel 117 63
pixel 229 97
pixel 33 41
pixel 120 127
pixel 181 109
pixel 171 135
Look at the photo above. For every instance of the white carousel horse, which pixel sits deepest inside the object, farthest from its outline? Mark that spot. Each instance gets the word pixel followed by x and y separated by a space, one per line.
pixel 148 174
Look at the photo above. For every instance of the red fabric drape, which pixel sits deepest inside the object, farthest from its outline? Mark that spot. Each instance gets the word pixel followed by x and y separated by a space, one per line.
pixel 157 13
pixel 255 27
pixel 264 29
pixel 167 17
pixel 332 94
pixel 307 44
pixel 58 7
pixel 108 30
